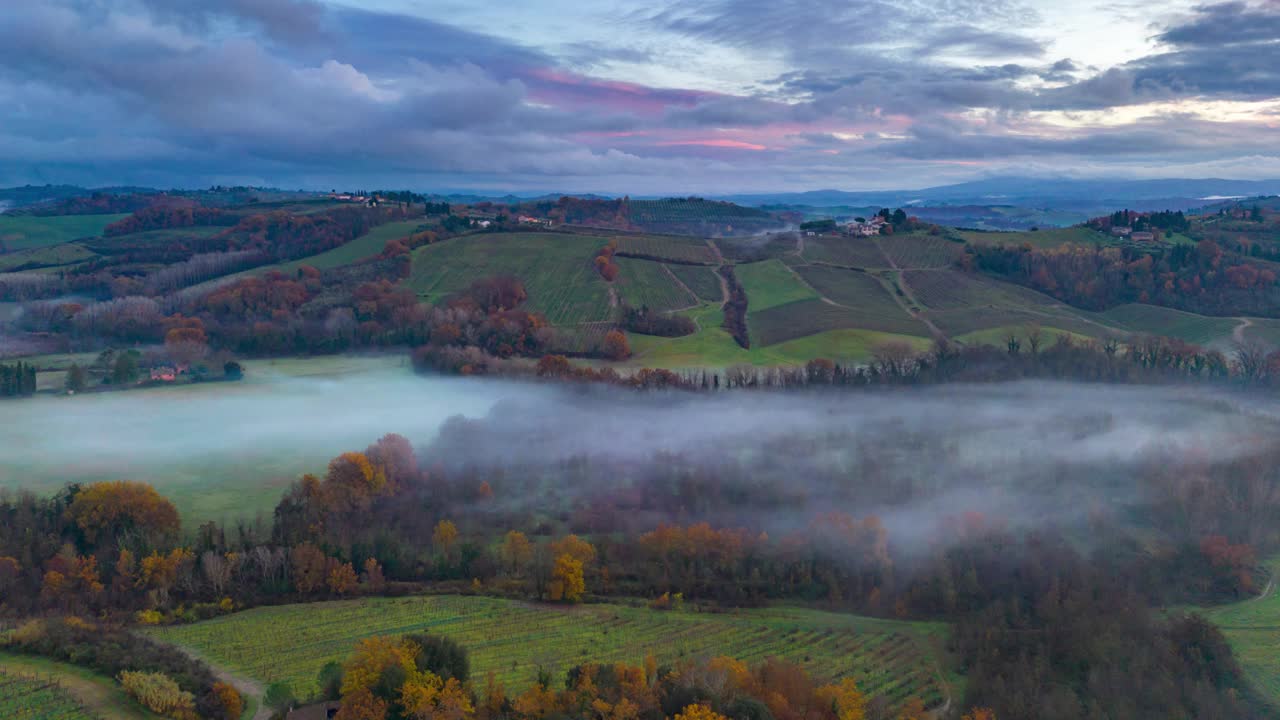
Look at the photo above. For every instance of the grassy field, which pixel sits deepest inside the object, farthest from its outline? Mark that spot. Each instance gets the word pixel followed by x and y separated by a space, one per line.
pixel 1155 320
pixel 644 283
pixel 20 232
pixel 366 245
pixel 713 347
pixel 52 255
pixel 556 270
pixel 1046 238
pixel 207 485
pixel 771 283
pixel 81 694
pixel 513 639
pixel 1252 627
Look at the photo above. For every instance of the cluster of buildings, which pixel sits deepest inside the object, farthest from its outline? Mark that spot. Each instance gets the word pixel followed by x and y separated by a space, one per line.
pixel 1128 232
pixel 370 200
pixel 865 228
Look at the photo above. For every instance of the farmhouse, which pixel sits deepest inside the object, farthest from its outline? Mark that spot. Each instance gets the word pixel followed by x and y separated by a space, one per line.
pixel 1142 236
pixel 164 373
pixel 527 219
pixel 316 711
pixel 866 228
pixel 1121 231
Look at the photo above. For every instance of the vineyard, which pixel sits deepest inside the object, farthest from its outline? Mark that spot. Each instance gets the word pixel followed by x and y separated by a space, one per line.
pixel 513 640
pixel 30 698
pixel 1044 239
pixel 581 339
pixel 921 251
pixel 845 251
pixel 556 270
pixel 703 281
pixel 674 249
pixel 808 317
pixel 851 288
pixel 643 283
pixel 960 303
pixel 771 283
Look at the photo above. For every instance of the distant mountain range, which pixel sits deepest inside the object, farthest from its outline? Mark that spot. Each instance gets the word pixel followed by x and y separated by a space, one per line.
pixel 1041 193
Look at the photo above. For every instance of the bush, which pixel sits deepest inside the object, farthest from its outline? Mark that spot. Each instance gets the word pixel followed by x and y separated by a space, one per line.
pixel 160 694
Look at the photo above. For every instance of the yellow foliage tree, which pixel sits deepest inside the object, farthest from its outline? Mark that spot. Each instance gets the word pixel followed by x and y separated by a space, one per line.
pixel 444 536
pixel 699 712
pixel 575 547
pixel 362 705
pixel 848 700
pixel 979 713
pixel 516 551
pixel 912 710
pixel 371 658
pixel 567 582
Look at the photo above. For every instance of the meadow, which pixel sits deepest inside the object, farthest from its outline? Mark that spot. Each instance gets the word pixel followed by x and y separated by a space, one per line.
pixel 291 643
pixel 48 256
pixel 20 232
pixel 771 283
pixel 1252 627
pixel 713 347
pixel 1155 320
pixel 556 269
pixel 225 451
pixel 1044 239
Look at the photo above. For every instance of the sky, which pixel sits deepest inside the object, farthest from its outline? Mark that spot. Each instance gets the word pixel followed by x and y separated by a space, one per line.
pixel 634 96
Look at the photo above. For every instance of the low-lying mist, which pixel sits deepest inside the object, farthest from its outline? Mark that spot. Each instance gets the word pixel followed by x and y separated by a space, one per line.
pixel 1027 452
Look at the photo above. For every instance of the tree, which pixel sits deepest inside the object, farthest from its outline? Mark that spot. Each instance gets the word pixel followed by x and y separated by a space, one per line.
pixel 76 379
pixel 279 697
pixel 341 578
pixel 516 552
pixel 362 705
pixel 700 711
pixel 125 369
pixel 615 346
pixel 912 709
pixel 229 700
pixel 372 578
pixel 307 565
pixel 567 582
pixel 848 700
pixel 159 693
pixel 444 536
pixel 371 658
pixel 979 713
pixel 109 512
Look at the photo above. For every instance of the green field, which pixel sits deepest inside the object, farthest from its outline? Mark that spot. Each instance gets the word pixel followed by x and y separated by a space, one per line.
pixel 556 269
pixel 513 639
pixel 1167 322
pixel 844 251
pixel 1252 627
pixel 1044 239
pixel 644 283
pixel 366 245
pixel 795 320
pixel 49 256
pixel 703 281
pixel 771 283
pixel 20 232
pixel 679 249
pixel 80 693
pixel 920 251
pixel 713 347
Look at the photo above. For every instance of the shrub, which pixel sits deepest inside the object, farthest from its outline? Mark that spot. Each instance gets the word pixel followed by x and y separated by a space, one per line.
pixel 159 694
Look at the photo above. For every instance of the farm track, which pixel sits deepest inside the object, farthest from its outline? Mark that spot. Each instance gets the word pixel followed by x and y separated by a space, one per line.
pixel 246 686
pixel 906 291
pixel 724 284
pixel 1237 334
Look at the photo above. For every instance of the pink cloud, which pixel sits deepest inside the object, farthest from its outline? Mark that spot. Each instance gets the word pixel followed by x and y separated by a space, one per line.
pixel 715 143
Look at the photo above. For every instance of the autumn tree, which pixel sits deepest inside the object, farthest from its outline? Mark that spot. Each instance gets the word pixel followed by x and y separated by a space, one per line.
pixel 109 513
pixel 567 581
pixel 341 577
pixel 307 565
pixel 516 552
pixel 615 346
pixel 372 579
pixel 444 536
